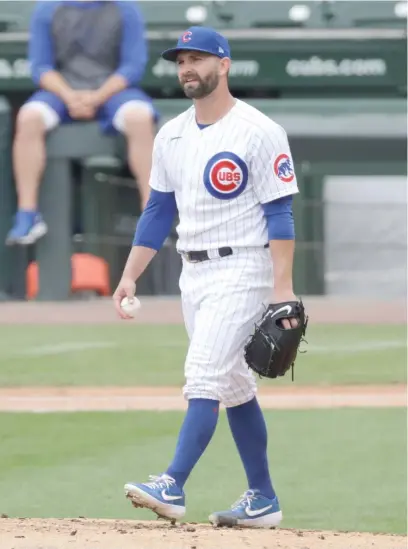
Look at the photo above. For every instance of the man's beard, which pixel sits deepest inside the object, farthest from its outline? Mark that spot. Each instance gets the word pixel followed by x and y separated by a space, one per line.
pixel 202 88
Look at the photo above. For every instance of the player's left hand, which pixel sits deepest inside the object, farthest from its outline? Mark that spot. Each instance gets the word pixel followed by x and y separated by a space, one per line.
pixel 91 99
pixel 282 297
pixel 272 350
pixel 77 108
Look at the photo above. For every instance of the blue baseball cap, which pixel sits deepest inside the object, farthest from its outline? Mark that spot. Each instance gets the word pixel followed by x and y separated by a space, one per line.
pixel 203 39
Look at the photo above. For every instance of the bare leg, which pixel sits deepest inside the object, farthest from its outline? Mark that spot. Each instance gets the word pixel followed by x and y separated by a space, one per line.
pixel 139 131
pixel 28 164
pixel 29 157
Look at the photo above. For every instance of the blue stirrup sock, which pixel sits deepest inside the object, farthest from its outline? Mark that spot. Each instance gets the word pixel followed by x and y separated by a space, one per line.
pixel 248 428
pixel 195 434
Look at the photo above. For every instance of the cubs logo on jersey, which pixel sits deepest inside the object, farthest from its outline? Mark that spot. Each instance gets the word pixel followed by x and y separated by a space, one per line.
pixel 283 168
pixel 225 175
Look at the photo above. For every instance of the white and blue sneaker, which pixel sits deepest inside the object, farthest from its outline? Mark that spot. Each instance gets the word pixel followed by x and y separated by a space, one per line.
pixel 28 227
pixel 252 510
pixel 161 495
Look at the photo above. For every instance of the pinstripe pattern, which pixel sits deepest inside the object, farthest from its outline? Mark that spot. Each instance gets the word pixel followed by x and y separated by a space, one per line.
pixel 222 298
pixel 184 151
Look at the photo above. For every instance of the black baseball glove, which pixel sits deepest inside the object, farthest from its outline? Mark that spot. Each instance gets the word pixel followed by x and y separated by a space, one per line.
pixel 272 349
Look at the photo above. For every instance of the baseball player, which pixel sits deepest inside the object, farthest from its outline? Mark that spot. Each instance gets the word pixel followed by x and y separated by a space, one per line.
pixel 227 170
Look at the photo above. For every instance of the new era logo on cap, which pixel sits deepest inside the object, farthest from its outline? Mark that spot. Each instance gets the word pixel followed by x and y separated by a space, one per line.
pixel 204 39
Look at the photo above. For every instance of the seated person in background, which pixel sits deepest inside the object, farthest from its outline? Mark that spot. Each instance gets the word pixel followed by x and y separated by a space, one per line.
pixel 87 57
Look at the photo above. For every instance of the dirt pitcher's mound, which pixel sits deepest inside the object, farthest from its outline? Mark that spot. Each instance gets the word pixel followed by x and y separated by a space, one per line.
pixel 120 534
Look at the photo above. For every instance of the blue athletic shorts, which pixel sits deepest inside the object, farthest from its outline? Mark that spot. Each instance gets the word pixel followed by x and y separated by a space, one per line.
pixel 105 113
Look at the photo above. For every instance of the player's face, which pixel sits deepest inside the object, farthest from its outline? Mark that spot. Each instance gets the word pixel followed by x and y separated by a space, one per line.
pixel 199 73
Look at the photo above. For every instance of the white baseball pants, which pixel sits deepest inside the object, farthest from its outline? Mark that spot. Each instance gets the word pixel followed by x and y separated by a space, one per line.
pixel 222 299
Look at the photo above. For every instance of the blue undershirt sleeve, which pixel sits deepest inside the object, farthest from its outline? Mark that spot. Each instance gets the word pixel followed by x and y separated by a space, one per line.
pixel 133 51
pixel 156 221
pixel 40 47
pixel 279 215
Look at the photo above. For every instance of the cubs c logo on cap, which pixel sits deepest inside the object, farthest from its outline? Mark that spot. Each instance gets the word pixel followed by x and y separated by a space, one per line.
pixel 187 36
pixel 283 169
pixel 225 175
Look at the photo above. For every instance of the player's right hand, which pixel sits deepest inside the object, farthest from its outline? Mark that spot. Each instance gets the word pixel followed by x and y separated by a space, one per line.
pixel 78 108
pixel 126 288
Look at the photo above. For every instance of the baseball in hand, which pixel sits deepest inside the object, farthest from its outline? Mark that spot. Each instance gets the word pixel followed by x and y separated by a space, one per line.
pixel 130 305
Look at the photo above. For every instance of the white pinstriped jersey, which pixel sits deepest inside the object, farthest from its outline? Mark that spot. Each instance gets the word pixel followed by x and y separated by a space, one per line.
pixel 222 174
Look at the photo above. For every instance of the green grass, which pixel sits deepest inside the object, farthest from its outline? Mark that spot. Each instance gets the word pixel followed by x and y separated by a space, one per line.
pixel 341 469
pixel 154 355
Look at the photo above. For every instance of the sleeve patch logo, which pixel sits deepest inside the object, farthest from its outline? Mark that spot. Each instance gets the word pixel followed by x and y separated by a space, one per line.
pixel 283 168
